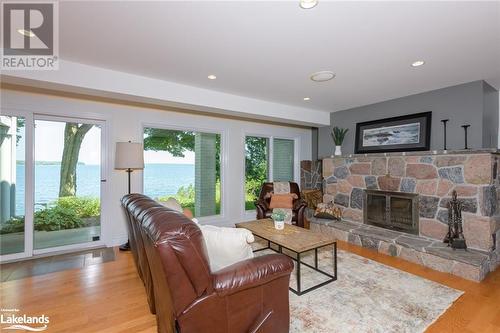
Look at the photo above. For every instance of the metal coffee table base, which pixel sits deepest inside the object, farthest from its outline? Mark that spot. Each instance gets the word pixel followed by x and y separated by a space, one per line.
pixel 299 262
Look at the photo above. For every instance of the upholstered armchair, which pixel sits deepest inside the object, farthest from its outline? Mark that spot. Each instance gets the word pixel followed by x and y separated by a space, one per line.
pixel 299 205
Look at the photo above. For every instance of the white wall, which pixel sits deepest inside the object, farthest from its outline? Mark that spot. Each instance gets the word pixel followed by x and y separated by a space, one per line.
pixel 126 122
pixel 95 81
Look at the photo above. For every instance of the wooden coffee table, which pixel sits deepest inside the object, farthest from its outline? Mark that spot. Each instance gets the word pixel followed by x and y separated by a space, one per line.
pixel 297 240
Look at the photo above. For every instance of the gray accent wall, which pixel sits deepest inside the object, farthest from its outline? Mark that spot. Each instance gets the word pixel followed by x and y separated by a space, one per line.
pixel 474 103
pixel 314 142
pixel 490 116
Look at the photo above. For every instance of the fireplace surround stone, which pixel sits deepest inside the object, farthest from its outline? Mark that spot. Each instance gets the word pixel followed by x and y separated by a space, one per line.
pixel 433 176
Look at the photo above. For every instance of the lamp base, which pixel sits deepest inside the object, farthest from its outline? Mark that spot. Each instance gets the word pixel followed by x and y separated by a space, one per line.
pixel 125 247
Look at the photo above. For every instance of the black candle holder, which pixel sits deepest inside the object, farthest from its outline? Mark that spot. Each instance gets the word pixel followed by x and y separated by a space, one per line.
pixel 444 121
pixel 465 127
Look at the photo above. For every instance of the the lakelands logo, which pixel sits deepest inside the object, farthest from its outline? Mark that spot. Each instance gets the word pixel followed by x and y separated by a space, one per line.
pixel 11 319
pixel 30 38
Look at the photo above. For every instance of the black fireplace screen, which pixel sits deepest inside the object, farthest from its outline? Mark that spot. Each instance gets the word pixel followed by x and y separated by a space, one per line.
pixel 392 210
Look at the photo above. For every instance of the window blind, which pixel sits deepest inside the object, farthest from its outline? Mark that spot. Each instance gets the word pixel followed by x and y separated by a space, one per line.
pixel 283 154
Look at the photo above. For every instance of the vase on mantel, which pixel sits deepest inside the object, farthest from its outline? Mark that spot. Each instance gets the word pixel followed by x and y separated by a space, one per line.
pixel 338 150
pixel 338 135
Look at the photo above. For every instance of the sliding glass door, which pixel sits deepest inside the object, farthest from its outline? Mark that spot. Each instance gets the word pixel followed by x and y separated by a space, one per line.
pixel 67 183
pixel 51 180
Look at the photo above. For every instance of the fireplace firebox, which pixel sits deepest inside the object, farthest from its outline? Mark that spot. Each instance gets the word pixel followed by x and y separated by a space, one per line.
pixel 392 210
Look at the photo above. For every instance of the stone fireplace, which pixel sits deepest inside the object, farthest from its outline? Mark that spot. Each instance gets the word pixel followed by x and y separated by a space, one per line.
pixel 397 203
pixel 391 210
pixel 430 175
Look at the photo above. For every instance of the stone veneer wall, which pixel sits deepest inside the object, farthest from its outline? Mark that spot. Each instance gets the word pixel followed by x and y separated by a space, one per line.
pixel 311 178
pixel 311 175
pixel 433 176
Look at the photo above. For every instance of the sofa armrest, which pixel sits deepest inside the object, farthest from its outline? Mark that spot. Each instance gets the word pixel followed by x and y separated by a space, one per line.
pixel 298 204
pixel 251 273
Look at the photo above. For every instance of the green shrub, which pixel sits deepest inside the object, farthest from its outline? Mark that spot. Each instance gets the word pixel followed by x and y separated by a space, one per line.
pixel 57 218
pixel 64 213
pixel 15 224
pixel 82 206
pixel 252 188
pixel 186 197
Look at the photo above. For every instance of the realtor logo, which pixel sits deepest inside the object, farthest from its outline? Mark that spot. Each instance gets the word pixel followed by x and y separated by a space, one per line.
pixel 11 319
pixel 29 36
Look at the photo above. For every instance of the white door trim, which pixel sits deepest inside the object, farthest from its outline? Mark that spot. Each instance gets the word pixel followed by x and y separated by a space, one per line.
pixel 103 189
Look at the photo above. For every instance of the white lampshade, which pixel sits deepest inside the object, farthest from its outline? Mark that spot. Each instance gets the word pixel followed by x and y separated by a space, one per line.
pixel 129 155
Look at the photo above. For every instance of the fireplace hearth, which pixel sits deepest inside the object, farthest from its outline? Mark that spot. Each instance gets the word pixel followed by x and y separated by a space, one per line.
pixel 392 210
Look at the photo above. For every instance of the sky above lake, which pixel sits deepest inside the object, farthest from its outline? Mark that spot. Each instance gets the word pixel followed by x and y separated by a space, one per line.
pixel 49 145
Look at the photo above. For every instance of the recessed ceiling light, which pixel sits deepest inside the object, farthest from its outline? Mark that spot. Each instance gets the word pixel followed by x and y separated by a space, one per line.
pixel 27 33
pixel 322 76
pixel 212 77
pixel 417 63
pixel 308 4
pixel 307 98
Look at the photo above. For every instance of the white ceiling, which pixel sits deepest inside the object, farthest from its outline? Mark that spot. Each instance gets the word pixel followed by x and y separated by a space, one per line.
pixel 267 50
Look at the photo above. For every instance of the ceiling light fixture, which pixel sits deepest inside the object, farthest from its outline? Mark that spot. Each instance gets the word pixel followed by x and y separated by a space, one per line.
pixel 322 76
pixel 307 98
pixel 212 77
pixel 417 63
pixel 27 33
pixel 308 4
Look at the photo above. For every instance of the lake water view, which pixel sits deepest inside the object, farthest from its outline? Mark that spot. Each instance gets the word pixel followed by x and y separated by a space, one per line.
pixel 159 180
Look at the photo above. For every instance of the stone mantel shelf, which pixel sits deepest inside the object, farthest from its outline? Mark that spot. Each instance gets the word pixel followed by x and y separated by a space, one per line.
pixel 423 153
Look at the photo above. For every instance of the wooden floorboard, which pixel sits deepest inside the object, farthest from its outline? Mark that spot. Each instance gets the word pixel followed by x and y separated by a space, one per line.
pixel 110 297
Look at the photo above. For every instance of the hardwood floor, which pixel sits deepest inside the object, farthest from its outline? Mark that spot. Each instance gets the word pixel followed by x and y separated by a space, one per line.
pixel 110 297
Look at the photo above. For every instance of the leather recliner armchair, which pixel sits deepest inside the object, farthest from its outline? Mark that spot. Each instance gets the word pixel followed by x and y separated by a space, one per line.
pixel 249 296
pixel 299 205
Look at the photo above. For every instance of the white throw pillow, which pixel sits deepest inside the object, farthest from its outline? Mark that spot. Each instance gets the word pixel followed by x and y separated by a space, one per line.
pixel 227 246
pixel 173 204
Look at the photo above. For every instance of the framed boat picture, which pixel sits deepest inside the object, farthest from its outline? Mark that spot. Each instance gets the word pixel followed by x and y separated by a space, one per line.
pixel 406 133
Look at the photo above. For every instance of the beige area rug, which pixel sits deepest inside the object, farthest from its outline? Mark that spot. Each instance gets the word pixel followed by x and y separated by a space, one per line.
pixel 367 297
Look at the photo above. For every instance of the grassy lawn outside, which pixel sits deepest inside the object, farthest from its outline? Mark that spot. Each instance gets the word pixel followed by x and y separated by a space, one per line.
pixel 185 195
pixel 249 205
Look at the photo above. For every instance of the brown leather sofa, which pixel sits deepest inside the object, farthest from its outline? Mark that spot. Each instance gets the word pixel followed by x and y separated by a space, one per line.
pixel 249 296
pixel 136 205
pixel 299 205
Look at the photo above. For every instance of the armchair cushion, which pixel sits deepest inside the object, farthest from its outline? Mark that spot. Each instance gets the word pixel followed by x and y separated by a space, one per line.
pixel 226 246
pixel 251 273
pixel 282 201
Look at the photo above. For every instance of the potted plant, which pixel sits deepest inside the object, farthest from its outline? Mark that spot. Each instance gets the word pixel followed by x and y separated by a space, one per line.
pixel 338 135
pixel 279 219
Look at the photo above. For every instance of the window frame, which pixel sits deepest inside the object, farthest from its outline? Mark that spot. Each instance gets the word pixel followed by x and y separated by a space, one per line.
pixel 296 161
pixel 223 149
